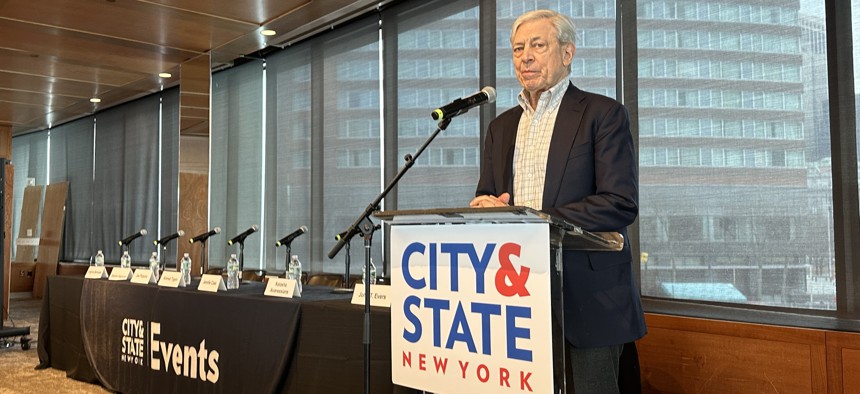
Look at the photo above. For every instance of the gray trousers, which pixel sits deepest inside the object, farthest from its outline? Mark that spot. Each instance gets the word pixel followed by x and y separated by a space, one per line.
pixel 594 370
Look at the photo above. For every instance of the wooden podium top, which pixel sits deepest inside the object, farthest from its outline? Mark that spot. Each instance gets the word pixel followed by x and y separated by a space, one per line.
pixel 575 238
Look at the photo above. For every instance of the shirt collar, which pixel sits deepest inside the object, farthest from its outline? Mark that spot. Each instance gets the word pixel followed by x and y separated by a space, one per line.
pixel 552 97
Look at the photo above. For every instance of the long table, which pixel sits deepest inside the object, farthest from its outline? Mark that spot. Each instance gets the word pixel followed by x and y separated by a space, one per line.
pixel 144 338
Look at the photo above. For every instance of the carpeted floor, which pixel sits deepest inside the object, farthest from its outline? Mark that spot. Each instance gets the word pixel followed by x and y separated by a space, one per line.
pixel 17 366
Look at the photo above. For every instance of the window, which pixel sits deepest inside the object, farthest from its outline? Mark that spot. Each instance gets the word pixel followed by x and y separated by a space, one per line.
pixel 754 127
pixel 236 145
pixel 72 161
pixel 116 162
pixel 309 178
pixel 446 157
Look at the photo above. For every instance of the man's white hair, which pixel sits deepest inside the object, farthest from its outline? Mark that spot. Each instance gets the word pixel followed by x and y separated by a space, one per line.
pixel 564 27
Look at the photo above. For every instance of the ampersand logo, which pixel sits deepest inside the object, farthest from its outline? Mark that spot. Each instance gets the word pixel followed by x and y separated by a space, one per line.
pixel 516 281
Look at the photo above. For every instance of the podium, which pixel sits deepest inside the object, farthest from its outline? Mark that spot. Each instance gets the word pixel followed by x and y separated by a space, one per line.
pixel 476 298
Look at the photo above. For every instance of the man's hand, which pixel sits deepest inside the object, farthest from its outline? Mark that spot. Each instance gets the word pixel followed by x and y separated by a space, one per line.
pixel 490 201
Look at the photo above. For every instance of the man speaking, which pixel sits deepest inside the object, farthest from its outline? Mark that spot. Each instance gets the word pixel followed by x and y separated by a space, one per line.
pixel 569 153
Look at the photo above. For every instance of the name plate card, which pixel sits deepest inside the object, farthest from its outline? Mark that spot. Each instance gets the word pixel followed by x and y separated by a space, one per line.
pixel 282 287
pixel 120 273
pixel 172 279
pixel 379 295
pixel 143 276
pixel 96 272
pixel 211 283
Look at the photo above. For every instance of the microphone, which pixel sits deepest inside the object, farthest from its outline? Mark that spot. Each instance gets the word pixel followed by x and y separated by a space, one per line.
pixel 462 105
pixel 164 240
pixel 204 236
pixel 127 240
pixel 291 236
pixel 241 237
pixel 340 235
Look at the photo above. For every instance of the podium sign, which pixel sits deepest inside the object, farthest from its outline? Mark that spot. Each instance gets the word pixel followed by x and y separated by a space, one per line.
pixel 471 308
pixel 477 295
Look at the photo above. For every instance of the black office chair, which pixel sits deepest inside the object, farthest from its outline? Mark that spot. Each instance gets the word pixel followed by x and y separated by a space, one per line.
pixel 331 280
pixel 253 275
pixel 215 271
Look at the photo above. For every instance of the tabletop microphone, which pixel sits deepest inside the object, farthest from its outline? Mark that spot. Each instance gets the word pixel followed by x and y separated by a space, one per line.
pixel 463 105
pixel 204 236
pixel 127 240
pixel 241 237
pixel 164 240
pixel 291 236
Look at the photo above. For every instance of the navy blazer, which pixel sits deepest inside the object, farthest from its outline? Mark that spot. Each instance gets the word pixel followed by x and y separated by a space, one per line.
pixel 591 181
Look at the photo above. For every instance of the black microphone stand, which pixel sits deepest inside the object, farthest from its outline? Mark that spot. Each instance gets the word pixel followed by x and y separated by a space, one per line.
pixel 203 264
pixel 241 258
pixel 163 263
pixel 287 259
pixel 367 234
pixel 289 256
pixel 346 267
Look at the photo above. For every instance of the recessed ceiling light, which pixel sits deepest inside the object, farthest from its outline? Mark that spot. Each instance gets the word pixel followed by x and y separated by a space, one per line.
pixel 268 32
pixel 95 100
pixel 165 75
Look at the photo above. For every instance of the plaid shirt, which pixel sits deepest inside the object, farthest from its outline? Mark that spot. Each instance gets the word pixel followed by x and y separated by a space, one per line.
pixel 534 134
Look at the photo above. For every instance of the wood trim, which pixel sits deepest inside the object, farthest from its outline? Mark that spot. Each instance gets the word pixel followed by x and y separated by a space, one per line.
pixel 683 354
pixel 5 142
pixel 843 361
pixel 740 329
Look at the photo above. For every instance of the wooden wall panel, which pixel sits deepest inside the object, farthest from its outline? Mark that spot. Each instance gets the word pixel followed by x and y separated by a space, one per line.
pixel 51 237
pixel 850 371
pixel 689 355
pixel 21 276
pixel 843 362
pixel 31 207
pixel 5 141
pixel 53 218
pixel 193 214
pixel 7 241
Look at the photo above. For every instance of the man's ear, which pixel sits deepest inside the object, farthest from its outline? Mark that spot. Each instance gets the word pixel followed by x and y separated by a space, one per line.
pixel 567 53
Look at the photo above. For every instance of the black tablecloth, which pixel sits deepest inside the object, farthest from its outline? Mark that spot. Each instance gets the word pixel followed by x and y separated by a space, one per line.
pixel 263 344
pixel 329 350
pixel 60 344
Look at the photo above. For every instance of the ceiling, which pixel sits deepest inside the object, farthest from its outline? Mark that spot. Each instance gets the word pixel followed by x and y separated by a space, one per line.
pixel 55 55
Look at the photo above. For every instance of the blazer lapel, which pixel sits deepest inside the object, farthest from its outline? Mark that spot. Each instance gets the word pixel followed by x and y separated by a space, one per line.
pixel 564 134
pixel 509 139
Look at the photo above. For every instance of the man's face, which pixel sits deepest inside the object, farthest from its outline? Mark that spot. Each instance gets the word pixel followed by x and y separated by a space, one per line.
pixel 540 60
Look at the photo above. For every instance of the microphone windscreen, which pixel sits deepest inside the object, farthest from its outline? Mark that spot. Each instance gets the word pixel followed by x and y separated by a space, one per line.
pixel 490 92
